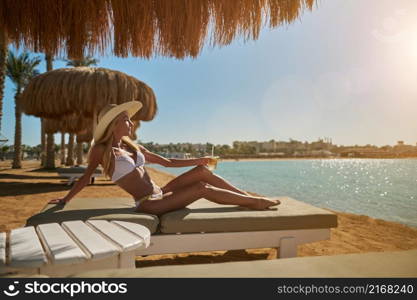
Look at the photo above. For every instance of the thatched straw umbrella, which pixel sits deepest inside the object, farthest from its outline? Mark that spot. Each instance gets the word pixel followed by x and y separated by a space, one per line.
pixel 84 91
pixel 174 28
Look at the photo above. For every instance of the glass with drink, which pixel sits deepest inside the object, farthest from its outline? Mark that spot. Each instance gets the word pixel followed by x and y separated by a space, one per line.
pixel 212 164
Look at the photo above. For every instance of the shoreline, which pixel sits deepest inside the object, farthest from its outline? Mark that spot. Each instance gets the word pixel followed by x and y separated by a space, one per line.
pixel 24 192
pixel 309 158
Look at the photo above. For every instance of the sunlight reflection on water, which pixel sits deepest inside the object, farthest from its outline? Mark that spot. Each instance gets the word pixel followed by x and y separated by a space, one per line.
pixel 381 188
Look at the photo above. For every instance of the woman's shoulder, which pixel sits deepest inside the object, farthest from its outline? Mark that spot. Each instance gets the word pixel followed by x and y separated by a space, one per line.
pixel 131 147
pixel 96 153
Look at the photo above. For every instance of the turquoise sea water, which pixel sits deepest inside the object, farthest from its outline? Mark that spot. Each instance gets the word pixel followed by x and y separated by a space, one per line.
pixel 380 188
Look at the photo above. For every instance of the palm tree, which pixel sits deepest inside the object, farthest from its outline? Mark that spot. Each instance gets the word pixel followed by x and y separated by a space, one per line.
pixel 83 62
pixel 3 151
pixel 20 69
pixel 50 142
pixel 3 56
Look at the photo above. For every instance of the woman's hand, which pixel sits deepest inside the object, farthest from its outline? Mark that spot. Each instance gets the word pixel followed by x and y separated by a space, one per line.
pixel 57 201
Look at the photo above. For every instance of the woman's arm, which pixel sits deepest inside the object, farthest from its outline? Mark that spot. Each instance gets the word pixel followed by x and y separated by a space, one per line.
pixel 172 162
pixel 95 158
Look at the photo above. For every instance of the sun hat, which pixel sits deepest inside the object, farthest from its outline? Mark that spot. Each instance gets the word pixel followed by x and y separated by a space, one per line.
pixel 111 111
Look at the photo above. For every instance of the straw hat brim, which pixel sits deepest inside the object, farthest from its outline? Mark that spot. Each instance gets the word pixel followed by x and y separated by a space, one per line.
pixel 130 107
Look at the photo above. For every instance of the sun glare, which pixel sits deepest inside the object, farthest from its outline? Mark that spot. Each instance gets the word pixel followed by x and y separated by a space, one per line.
pixel 413 46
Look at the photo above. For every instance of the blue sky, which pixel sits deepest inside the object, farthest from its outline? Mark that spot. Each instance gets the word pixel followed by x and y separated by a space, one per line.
pixel 347 70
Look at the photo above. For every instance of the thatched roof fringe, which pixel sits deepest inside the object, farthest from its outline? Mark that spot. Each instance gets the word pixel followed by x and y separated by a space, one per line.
pixel 72 124
pixel 145 28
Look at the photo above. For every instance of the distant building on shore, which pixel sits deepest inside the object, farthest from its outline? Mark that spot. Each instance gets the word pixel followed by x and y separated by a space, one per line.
pixel 322 147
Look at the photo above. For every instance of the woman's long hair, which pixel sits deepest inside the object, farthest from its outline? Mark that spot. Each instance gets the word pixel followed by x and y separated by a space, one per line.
pixel 107 141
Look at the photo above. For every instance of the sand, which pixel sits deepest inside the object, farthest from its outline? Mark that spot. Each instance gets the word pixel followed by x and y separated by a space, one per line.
pixel 24 192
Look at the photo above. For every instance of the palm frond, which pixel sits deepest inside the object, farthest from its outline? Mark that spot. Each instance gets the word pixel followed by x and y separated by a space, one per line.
pixel 83 62
pixel 21 69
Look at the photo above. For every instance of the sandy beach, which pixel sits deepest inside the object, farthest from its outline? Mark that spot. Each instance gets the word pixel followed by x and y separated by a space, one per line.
pixel 25 191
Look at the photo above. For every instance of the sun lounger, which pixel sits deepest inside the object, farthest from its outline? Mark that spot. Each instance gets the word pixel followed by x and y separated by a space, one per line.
pixel 206 226
pixel 380 264
pixel 76 172
pixel 74 246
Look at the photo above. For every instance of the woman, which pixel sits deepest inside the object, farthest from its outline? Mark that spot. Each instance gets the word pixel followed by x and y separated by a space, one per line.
pixel 123 161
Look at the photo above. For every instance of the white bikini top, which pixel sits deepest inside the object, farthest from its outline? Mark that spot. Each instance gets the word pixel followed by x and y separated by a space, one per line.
pixel 124 164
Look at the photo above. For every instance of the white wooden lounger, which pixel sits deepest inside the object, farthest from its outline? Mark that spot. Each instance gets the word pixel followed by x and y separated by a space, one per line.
pixel 286 240
pixel 206 226
pixel 74 246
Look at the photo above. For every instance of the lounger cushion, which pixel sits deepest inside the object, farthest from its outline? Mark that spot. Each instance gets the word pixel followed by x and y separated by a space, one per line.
pixel 381 264
pixel 121 209
pixel 200 216
pixel 206 216
pixel 76 170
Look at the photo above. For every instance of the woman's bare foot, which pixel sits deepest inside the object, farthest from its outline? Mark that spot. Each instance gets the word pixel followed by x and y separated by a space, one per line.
pixel 263 203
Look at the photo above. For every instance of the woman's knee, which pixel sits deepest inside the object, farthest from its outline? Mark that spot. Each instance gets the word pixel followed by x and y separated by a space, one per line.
pixel 202 170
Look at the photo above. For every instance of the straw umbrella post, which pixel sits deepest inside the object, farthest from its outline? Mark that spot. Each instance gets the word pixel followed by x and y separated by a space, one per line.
pixel 72 125
pixel 82 137
pixel 79 152
pixel 62 148
pixel 70 153
pixel 85 136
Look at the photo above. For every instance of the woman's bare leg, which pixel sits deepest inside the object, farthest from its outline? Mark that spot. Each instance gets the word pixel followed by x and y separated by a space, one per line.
pixel 182 197
pixel 200 173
